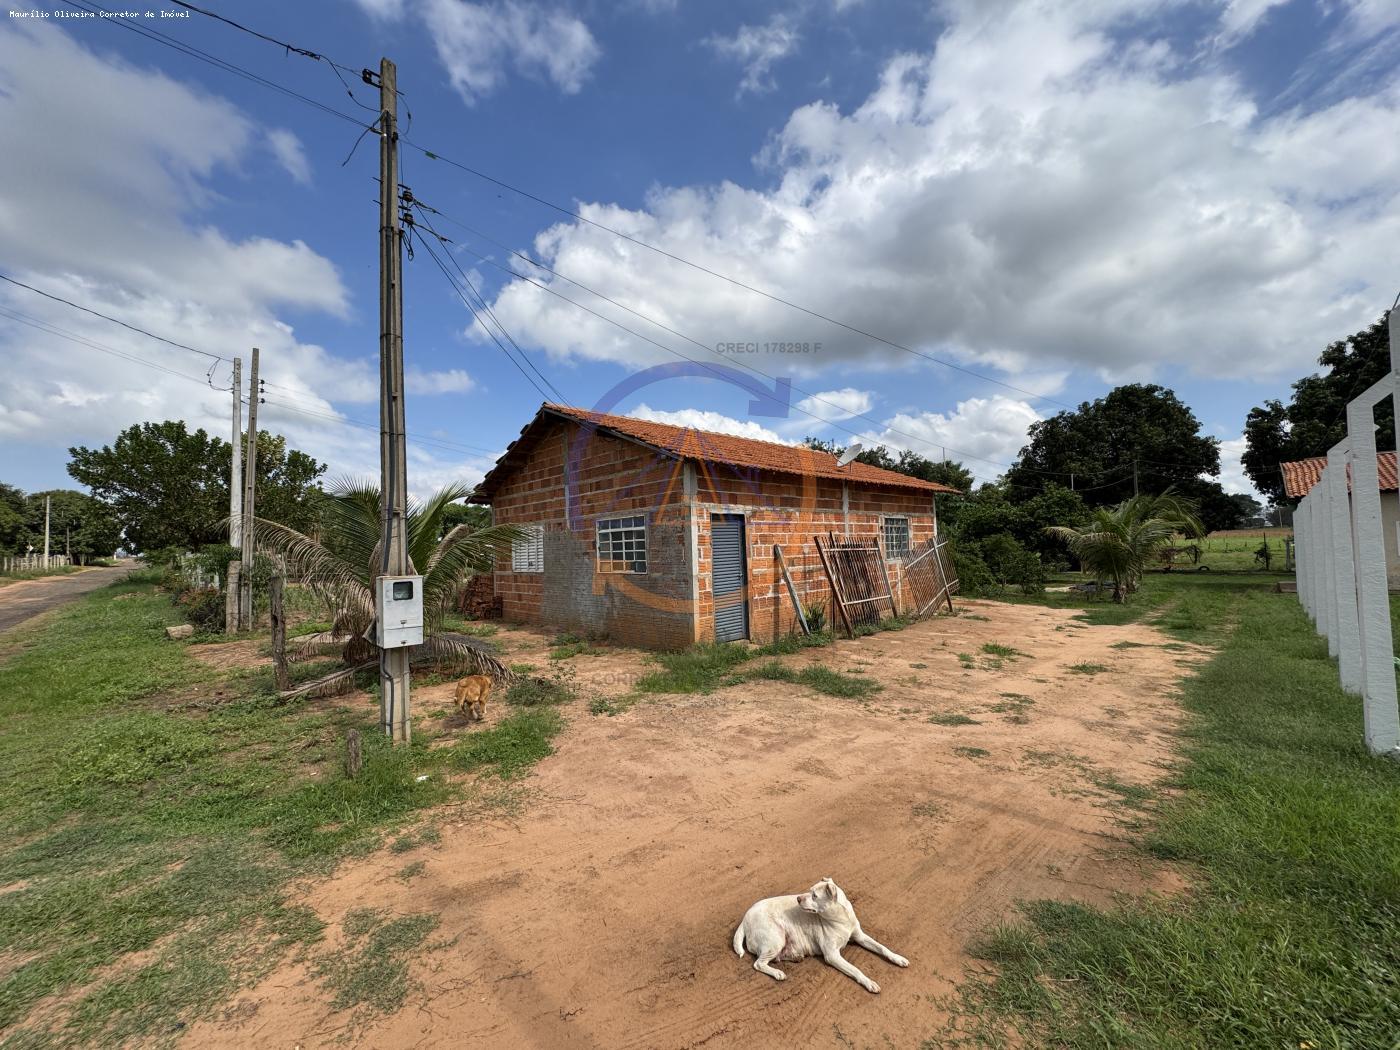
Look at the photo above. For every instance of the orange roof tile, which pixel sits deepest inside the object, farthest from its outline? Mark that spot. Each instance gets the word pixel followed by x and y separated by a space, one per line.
pixel 1301 475
pixel 711 447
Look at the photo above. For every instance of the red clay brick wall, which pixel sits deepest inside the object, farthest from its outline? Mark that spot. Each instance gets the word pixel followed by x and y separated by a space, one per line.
pixel 790 511
pixel 614 478
pixel 672 605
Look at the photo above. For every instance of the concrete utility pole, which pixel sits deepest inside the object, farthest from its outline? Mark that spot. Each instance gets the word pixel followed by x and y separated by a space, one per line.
pixel 48 502
pixel 393 462
pixel 248 512
pixel 235 481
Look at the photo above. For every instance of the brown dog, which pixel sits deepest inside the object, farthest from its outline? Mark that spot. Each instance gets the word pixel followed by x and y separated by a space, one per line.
pixel 471 695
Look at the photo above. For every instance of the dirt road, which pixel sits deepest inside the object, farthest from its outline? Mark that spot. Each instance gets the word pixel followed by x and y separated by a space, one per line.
pixel 599 915
pixel 28 598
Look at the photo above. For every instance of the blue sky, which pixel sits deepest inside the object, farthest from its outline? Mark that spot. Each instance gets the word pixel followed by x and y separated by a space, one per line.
pixel 1057 196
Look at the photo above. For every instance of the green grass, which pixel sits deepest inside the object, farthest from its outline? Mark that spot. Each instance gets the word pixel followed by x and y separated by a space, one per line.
pixel 1290 833
pixel 370 970
pixel 38 574
pixel 537 692
pixel 154 805
pixel 1088 668
pixel 1004 652
pixel 951 719
pixel 510 747
pixel 705 668
pixel 971 752
pixel 817 678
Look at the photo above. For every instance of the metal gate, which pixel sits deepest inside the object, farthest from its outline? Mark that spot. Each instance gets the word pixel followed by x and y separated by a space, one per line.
pixel 729 577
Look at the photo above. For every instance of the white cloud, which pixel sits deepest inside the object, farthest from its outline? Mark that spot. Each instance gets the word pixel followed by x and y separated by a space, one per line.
pixel 1049 188
pixel 451 381
pixel 128 236
pixel 384 10
pixel 982 433
pixel 1232 476
pixel 716 422
pixel 836 405
pixel 756 49
pixel 286 147
pixel 479 42
pixel 1241 18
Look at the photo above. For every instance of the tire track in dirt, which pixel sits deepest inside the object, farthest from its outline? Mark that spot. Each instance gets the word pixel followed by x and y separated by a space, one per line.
pixel 602 916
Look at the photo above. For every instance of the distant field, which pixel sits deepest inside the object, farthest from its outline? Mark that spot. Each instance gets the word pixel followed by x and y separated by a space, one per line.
pixel 1232 550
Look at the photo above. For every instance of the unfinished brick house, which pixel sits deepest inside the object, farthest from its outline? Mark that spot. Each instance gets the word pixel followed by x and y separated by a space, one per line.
pixel 663 536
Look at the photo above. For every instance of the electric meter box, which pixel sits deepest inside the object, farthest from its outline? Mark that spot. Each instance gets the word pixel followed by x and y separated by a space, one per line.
pixel 399 600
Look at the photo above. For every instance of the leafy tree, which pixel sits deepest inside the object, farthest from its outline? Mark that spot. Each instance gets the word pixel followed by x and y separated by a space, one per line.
pixel 1101 440
pixel 1216 508
pixel 945 472
pixel 1315 417
pixel 12 529
pixel 1118 544
pixel 168 486
pixel 470 514
pixel 79 525
pixel 989 511
pixel 340 567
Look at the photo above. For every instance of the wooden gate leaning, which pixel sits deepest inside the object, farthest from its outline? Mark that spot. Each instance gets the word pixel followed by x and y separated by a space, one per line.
pixel 860 581
pixel 931 575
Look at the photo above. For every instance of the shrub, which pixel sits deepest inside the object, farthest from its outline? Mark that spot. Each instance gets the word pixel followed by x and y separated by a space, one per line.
pixel 203 607
pixel 815 615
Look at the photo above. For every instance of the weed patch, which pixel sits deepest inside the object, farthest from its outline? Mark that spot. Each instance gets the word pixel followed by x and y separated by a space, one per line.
pixel 509 748
pixel 952 719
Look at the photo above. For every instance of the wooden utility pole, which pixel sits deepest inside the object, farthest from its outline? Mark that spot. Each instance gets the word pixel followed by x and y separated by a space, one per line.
pixel 48 503
pixel 248 512
pixel 235 481
pixel 393 462
pixel 1135 476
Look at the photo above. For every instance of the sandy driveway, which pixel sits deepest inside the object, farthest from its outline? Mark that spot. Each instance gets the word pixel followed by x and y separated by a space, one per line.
pixel 26 598
pixel 601 915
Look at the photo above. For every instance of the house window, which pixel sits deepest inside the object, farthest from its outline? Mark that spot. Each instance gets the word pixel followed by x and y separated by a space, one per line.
pixel 527 552
pixel 622 545
pixel 896 537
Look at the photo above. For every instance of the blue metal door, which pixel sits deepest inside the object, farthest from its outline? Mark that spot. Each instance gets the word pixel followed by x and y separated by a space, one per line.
pixel 729 577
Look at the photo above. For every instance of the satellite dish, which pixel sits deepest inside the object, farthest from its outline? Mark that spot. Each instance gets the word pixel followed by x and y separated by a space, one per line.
pixel 850 454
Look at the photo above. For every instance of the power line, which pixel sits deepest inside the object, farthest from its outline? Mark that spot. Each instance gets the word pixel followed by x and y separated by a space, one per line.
pixel 744 364
pixel 481 300
pixel 501 346
pixel 107 317
pixel 52 329
pixel 431 155
pixel 190 50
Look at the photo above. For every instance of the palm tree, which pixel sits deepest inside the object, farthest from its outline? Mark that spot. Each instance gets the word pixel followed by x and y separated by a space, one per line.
pixel 1119 543
pixel 341 563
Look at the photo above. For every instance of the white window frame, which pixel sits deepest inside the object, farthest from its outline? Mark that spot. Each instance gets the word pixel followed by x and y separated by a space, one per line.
pixel 626 527
pixel 908 535
pixel 527 552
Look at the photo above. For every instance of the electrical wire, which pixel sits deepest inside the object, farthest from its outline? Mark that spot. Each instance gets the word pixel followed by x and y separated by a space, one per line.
pixel 117 19
pixel 501 346
pixel 62 333
pixel 108 317
pixel 486 307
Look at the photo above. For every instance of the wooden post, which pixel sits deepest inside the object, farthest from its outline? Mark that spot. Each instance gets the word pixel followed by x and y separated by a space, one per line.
pixel 792 591
pixel 354 755
pixel 836 593
pixel 279 631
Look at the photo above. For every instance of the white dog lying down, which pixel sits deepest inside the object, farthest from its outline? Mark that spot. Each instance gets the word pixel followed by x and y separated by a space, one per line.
pixel 818 922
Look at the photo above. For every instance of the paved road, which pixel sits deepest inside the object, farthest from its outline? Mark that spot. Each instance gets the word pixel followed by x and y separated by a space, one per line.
pixel 19 601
